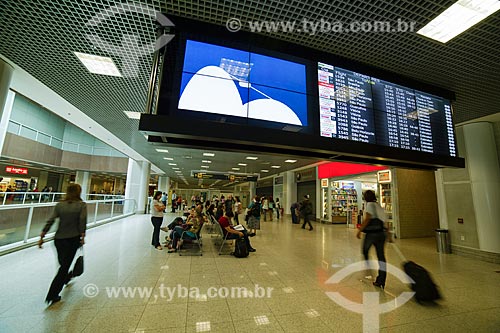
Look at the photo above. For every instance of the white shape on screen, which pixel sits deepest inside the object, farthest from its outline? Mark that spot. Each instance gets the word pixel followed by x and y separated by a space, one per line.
pixel 213 90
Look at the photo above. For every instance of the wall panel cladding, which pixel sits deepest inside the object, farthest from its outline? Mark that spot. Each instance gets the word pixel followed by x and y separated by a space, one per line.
pixel 417 202
pixel 25 149
pixel 459 205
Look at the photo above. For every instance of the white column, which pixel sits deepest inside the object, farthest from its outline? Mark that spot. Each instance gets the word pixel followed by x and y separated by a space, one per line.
pixel 137 184
pixel 290 190
pixel 484 172
pixel 253 190
pixel 164 184
pixel 319 204
pixel 83 178
pixel 6 99
pixel 441 200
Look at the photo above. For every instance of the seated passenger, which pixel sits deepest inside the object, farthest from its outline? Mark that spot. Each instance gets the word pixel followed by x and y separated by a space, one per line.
pixel 231 233
pixel 192 227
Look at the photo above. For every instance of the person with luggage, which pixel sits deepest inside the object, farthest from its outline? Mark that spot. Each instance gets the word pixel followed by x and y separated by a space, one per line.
pixel 238 211
pixel 373 228
pixel 157 209
pixel 70 235
pixel 164 200
pixel 174 201
pixel 294 211
pixel 253 222
pixel 306 212
pixel 278 208
pixel 231 233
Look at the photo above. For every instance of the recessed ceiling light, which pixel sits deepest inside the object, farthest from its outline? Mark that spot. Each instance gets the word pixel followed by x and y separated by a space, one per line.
pixel 98 65
pixel 457 18
pixel 235 169
pixel 275 166
pixel 205 166
pixel 264 170
pixel 133 114
pixel 206 161
pixel 209 154
pixel 168 158
pixel 174 164
pixel 175 169
pixel 290 161
pixel 242 164
pixel 252 158
pixel 160 150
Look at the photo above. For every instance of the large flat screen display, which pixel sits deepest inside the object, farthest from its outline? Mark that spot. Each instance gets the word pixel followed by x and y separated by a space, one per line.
pixel 227 81
pixel 361 108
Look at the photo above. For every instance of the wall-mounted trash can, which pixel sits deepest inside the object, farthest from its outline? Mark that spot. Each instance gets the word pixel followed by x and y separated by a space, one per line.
pixel 443 241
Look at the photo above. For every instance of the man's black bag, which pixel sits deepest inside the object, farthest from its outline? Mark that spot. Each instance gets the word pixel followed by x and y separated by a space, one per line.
pixel 425 289
pixel 240 248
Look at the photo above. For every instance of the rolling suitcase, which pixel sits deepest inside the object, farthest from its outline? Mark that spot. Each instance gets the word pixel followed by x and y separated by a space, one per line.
pixel 424 287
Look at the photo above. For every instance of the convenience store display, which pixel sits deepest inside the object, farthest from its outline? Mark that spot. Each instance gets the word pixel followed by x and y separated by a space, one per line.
pixel 344 204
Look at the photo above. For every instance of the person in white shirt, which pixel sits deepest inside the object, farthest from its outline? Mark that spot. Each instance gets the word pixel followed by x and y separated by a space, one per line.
pixel 374 229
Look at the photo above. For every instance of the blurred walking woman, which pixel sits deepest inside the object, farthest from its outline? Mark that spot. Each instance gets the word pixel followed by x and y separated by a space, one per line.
pixel 157 209
pixel 70 234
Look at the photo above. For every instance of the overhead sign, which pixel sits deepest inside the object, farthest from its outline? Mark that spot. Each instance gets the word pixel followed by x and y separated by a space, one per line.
pixel 230 177
pixel 16 170
pixel 384 176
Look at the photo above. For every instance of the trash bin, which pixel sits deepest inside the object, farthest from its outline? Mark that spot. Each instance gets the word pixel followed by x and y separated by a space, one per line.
pixel 443 241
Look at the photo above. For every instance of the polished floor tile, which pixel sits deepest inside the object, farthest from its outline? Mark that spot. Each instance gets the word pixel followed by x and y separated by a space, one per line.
pixel 129 286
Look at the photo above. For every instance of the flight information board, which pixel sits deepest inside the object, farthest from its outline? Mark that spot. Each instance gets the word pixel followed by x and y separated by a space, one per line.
pixel 358 107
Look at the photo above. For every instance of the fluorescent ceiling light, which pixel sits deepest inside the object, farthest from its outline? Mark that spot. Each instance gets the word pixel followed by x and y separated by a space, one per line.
pixel 235 169
pixel 162 150
pixel 252 158
pixel 459 17
pixel 168 158
pixel 173 164
pixel 133 114
pixel 175 169
pixel 98 65
pixel 205 166
pixel 290 161
pixel 242 164
pixel 275 166
pixel 264 170
pixel 209 154
pixel 206 161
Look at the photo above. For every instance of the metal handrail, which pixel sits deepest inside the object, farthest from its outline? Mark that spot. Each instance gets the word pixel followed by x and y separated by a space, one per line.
pixel 22 198
pixel 129 208
pixel 109 151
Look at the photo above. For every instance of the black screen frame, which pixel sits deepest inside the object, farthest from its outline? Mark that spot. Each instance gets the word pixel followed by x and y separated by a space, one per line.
pixel 305 142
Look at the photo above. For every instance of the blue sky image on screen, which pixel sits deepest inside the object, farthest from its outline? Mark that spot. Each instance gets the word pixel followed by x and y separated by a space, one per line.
pixel 222 80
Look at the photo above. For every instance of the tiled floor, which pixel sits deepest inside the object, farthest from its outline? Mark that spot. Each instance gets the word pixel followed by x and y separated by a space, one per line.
pixel 294 262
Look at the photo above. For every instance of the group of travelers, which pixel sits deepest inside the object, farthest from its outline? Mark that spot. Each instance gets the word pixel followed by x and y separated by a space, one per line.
pixel 72 215
pixel 228 212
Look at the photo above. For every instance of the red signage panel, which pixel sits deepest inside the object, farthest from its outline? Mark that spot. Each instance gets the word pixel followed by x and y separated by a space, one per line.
pixel 16 170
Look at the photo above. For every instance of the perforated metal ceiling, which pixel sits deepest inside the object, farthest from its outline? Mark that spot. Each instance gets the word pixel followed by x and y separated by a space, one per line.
pixel 40 36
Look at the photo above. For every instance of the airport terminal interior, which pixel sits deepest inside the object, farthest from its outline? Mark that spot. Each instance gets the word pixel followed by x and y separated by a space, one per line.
pixel 294 262
pixel 377 121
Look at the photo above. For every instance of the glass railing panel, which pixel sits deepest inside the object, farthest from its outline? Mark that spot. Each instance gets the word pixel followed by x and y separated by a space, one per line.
pixel 13 224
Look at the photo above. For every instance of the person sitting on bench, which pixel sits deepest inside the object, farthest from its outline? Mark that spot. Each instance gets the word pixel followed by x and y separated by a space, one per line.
pixel 231 233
